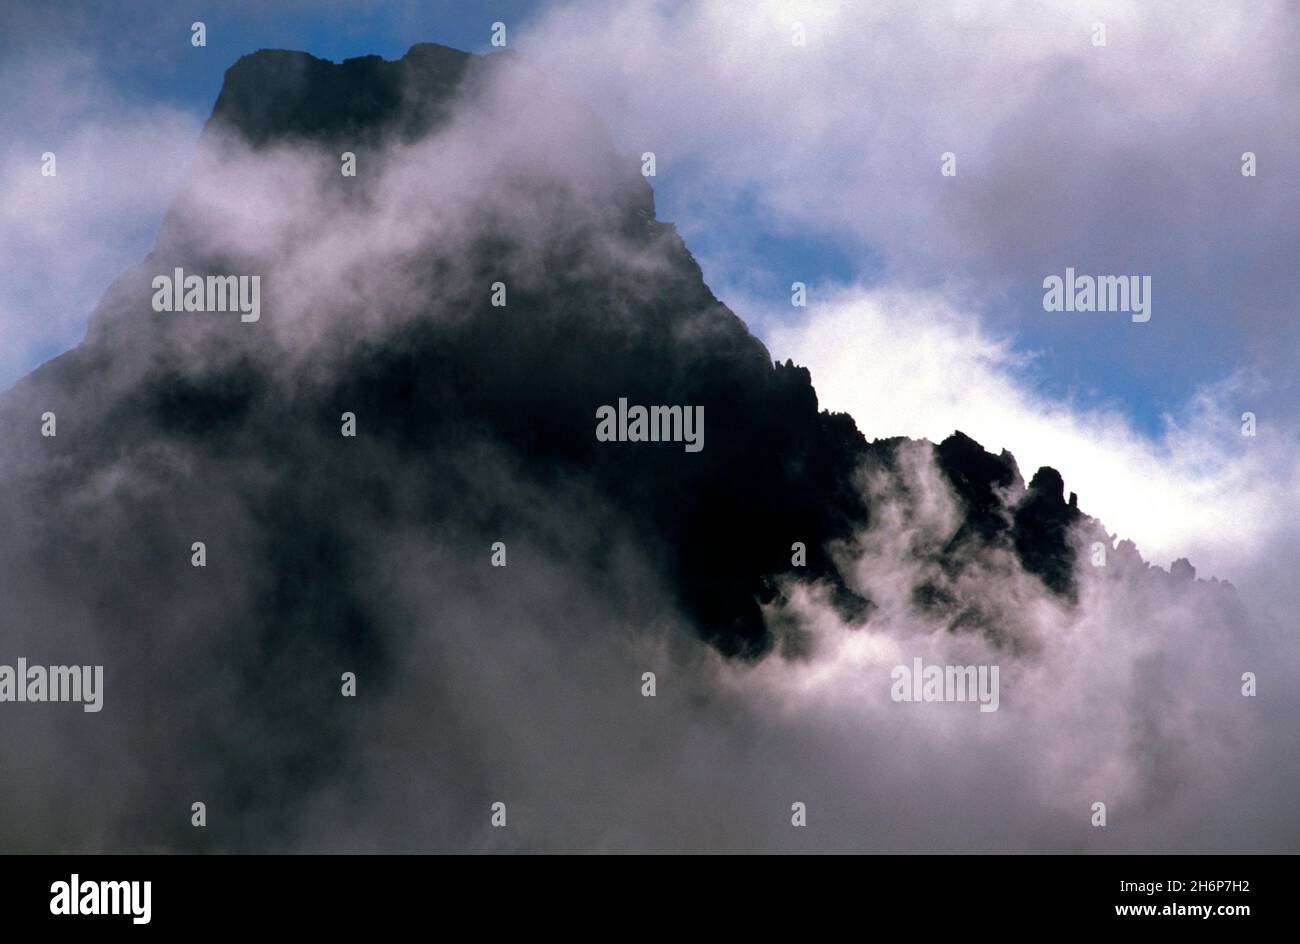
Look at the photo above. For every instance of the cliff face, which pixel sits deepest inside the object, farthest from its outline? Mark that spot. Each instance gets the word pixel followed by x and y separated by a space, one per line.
pixel 613 307
pixel 475 422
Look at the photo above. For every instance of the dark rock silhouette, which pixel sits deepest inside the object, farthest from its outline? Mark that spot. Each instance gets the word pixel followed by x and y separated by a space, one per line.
pixel 775 470
pixel 1042 523
pixel 476 422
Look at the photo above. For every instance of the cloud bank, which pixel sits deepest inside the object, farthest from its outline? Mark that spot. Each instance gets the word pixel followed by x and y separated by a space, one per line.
pixel 524 684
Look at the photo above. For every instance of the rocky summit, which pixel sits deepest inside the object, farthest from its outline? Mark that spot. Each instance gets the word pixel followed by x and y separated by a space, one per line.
pixel 438 333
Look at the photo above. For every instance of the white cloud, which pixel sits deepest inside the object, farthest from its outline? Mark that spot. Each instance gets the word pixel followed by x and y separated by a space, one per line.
pixel 1132 698
pixel 916 363
pixel 66 238
pixel 1122 158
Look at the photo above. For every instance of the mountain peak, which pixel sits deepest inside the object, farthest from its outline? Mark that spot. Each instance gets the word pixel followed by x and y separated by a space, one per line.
pixel 283 94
